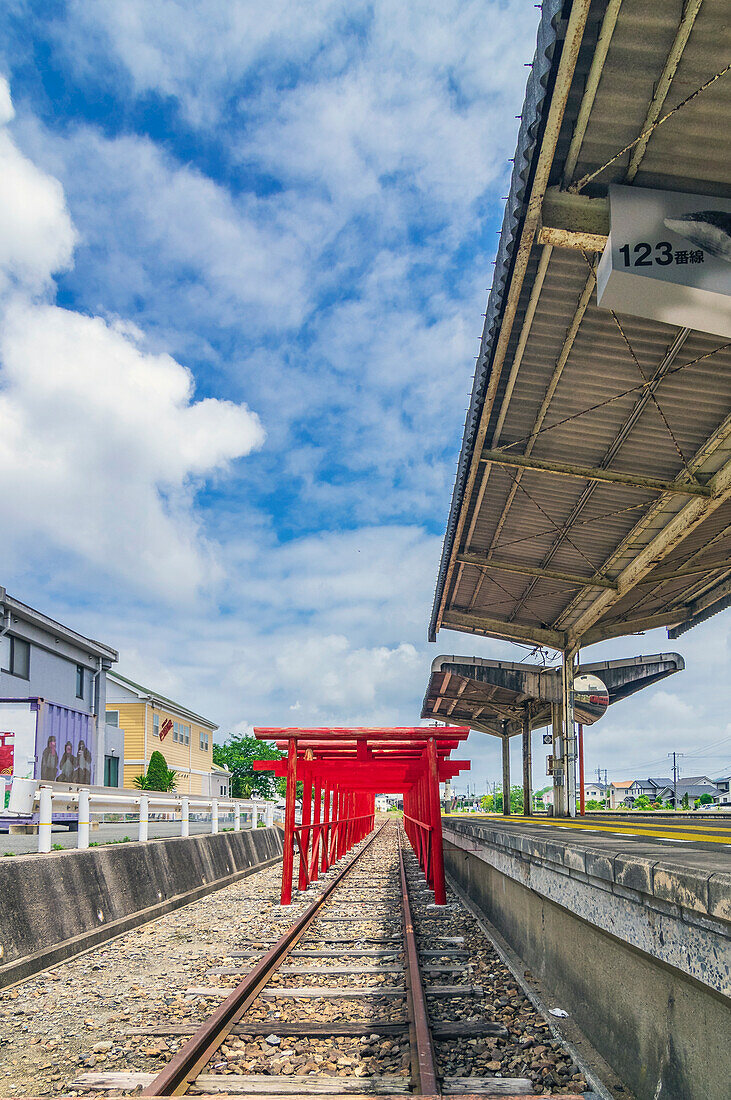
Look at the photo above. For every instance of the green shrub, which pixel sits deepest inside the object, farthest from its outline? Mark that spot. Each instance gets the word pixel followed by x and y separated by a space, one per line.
pixel 158 777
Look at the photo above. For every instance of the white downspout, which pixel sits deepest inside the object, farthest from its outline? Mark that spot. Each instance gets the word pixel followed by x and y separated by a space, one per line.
pixel 100 738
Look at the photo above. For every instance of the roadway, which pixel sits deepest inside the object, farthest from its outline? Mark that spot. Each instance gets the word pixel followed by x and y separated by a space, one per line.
pixel 703 845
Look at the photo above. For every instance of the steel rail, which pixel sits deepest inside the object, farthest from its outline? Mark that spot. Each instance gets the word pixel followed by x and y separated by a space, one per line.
pixel 181 1071
pixel 423 1066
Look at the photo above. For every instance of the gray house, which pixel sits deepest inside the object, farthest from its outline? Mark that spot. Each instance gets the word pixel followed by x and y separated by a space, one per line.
pixel 694 786
pixel 723 786
pixel 649 787
pixel 53 701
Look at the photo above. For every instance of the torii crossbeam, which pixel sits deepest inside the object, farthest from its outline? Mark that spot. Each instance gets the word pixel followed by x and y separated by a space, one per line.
pixel 342 770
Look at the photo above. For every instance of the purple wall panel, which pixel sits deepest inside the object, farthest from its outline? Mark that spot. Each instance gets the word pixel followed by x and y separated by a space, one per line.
pixel 64 744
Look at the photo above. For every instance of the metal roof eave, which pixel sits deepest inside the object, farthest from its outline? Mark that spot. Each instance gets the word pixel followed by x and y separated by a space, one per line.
pixel 534 113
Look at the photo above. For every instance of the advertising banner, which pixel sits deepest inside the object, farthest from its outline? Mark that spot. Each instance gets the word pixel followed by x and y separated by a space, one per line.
pixel 668 257
pixel 64 745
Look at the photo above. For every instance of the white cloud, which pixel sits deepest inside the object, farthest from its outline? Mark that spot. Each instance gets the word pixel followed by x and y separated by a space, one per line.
pixel 165 241
pixel 36 234
pixel 382 89
pixel 101 442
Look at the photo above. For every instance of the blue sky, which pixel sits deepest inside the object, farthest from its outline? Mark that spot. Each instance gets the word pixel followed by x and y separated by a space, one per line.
pixel 245 251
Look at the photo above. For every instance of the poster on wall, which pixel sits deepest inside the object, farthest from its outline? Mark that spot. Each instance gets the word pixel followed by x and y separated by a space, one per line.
pixel 47 742
pixel 668 257
pixel 64 745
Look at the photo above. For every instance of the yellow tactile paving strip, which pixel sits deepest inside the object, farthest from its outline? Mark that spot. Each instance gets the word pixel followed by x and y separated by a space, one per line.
pixel 705 834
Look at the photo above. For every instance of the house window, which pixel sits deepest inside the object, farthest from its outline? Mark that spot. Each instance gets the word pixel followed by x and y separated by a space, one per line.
pixel 112 718
pixel 185 734
pixel 155 724
pixel 203 741
pixel 19 658
pixel 79 681
pixel 176 731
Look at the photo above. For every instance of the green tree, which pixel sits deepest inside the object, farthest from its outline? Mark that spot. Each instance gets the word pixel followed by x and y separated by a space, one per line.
pixel 158 777
pixel 643 803
pixel 704 800
pixel 516 801
pixel 237 755
pixel 685 801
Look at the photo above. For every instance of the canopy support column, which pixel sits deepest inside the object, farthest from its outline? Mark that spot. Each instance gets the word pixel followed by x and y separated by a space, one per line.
pixel 559 788
pixel 567 707
pixel 527 763
pixel 506 771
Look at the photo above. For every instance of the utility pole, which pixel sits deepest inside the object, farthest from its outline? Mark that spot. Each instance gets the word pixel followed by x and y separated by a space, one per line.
pixel 675 756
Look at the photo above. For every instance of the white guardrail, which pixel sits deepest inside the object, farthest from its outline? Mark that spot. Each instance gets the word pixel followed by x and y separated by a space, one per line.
pixel 50 798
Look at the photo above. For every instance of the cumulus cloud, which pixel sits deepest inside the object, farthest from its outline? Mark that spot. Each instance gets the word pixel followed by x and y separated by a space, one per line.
pixel 36 235
pixel 101 442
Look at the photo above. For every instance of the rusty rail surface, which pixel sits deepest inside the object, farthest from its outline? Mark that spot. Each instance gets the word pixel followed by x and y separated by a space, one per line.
pixel 182 1069
pixel 424 1070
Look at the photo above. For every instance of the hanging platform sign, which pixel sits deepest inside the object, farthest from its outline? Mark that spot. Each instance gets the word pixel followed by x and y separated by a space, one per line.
pixel 668 257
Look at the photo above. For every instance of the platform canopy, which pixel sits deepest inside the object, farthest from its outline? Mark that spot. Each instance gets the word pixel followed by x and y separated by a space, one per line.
pixel 493 696
pixel 593 491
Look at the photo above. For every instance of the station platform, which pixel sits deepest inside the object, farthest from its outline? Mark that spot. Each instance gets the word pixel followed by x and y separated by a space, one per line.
pixel 701 844
pixel 626 922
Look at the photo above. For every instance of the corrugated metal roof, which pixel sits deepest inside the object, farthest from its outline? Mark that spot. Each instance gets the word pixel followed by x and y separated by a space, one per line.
pixel 496 696
pixel 581 374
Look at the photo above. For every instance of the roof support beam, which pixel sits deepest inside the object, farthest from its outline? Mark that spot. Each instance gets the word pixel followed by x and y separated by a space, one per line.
pixel 568 223
pixel 621 627
pixel 594 473
pixel 592 83
pixel 692 7
pixel 568 343
pixel 483 562
pixel 675 531
pixel 475 623
pixel 688 570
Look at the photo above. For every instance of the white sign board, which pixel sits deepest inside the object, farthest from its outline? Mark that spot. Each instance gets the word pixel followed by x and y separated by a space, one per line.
pixel 18 720
pixel 668 257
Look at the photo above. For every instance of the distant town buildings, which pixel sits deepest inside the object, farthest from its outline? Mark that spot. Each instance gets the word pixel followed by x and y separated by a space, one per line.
pixel 66 717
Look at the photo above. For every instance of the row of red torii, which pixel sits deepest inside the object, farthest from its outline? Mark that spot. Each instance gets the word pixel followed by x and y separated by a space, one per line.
pixel 341 771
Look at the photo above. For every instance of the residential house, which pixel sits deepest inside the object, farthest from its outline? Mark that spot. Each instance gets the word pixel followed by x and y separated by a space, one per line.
pixel 695 786
pixel 219 782
pixel 595 792
pixel 650 788
pixel 722 785
pixel 152 721
pixel 53 684
pixel 619 794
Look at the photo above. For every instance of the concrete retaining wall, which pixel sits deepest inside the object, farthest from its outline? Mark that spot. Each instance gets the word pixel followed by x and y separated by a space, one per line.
pixel 644 977
pixel 54 906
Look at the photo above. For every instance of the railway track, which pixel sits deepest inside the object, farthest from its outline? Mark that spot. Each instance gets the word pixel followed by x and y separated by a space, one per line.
pixel 370 991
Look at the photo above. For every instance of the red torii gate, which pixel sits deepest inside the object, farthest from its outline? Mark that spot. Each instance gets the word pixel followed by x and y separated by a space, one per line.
pixel 342 769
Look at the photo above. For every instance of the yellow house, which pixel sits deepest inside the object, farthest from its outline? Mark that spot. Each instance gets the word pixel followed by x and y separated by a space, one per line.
pixel 151 721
